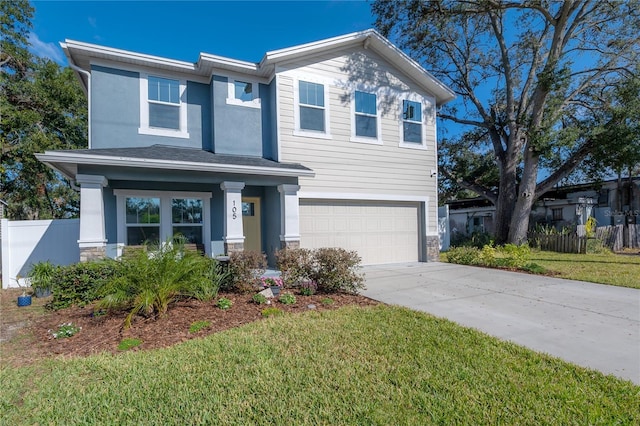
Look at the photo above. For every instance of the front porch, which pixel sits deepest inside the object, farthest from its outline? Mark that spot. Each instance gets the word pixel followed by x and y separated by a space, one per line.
pixel 131 196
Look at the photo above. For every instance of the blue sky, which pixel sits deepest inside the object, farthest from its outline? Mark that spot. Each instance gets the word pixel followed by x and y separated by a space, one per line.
pixel 181 30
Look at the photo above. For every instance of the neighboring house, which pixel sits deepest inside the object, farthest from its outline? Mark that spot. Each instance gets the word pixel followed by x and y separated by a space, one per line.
pixel 327 144
pixel 610 203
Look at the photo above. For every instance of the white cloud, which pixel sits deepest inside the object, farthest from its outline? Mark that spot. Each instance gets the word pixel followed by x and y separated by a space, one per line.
pixel 46 50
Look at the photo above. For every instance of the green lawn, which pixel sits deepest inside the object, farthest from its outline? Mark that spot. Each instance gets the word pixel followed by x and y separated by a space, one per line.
pixel 381 365
pixel 606 268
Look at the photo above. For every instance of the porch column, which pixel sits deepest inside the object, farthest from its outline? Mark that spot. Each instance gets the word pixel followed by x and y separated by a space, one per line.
pixel 92 242
pixel 233 232
pixel 289 216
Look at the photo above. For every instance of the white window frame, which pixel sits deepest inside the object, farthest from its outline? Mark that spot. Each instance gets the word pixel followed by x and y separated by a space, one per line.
pixel 144 128
pixel 423 134
pixel 231 93
pixel 296 108
pixel 363 139
pixel 166 218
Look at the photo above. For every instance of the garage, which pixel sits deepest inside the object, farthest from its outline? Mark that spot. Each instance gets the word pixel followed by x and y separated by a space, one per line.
pixel 381 232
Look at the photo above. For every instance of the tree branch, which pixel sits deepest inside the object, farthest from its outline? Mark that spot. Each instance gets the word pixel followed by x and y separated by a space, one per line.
pixel 563 171
pixel 472 186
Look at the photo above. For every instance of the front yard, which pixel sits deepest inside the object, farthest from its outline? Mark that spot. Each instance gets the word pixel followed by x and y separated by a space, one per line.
pixel 354 365
pixel 605 268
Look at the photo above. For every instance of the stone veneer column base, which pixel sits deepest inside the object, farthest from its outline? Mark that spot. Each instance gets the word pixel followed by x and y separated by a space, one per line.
pixel 433 248
pixel 233 247
pixel 92 253
pixel 290 244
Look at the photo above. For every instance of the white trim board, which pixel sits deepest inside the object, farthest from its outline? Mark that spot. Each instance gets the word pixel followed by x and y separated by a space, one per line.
pixel 362 196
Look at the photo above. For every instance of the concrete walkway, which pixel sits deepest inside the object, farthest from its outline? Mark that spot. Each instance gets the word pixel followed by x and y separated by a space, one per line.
pixel 592 325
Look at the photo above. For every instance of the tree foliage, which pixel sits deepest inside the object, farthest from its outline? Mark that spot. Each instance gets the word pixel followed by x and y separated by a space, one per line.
pixel 43 108
pixel 533 79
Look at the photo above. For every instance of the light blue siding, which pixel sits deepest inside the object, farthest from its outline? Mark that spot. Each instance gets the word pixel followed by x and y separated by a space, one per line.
pixel 115 112
pixel 237 129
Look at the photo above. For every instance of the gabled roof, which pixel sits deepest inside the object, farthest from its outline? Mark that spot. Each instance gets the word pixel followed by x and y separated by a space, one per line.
pixel 81 54
pixel 169 158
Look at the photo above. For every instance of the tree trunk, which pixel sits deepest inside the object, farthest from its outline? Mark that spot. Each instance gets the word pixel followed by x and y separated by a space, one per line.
pixel 525 199
pixel 506 203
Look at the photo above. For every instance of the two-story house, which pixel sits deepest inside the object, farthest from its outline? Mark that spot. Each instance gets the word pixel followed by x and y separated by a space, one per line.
pixel 326 144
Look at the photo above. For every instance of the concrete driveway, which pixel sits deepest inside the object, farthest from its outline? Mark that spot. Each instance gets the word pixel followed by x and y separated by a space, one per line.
pixel 592 325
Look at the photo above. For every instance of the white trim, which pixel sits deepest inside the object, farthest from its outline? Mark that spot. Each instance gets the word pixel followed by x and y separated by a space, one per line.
pixel 165 225
pixel 138 69
pixel 413 97
pixel 103 160
pixel 278 120
pixel 362 196
pixel 231 92
pixel 310 78
pixel 144 128
pixel 364 139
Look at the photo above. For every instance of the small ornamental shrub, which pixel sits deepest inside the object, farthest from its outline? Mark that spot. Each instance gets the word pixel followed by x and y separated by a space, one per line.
pixel 65 330
pixel 224 303
pixel 327 301
pixel 129 343
pixel 41 275
pixel 464 255
pixel 271 311
pixel 337 269
pixel 287 299
pixel 199 325
pixel 245 268
pixel 308 288
pixel 259 299
pixel 296 265
pixel 80 284
pixel 150 281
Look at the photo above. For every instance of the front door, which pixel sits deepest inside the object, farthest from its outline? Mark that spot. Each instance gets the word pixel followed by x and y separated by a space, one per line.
pixel 251 223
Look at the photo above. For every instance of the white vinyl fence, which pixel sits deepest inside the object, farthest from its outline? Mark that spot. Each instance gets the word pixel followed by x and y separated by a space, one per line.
pixel 25 242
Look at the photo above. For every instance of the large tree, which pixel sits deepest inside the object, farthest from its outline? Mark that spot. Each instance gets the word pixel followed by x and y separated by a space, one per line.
pixel 42 107
pixel 530 76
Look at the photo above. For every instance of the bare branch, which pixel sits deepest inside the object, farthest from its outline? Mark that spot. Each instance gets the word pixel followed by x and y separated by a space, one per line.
pixel 472 186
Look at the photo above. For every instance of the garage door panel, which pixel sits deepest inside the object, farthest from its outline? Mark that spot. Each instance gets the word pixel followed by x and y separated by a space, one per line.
pixel 379 232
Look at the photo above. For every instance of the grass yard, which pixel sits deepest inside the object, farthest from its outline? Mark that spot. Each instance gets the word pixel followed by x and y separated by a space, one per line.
pixel 607 268
pixel 378 365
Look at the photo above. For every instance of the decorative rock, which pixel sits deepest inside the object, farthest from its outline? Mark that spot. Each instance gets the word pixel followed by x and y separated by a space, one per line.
pixel 311 306
pixel 267 293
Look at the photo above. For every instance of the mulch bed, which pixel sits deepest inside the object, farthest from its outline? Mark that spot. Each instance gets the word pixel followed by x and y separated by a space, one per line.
pixel 103 333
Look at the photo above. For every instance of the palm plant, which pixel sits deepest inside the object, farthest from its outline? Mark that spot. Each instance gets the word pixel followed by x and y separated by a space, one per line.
pixel 154 279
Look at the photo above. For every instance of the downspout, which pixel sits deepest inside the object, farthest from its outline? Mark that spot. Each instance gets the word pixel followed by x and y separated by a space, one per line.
pixel 88 75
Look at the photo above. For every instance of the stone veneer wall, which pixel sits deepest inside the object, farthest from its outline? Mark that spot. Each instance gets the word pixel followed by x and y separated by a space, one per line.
pixel 433 248
pixel 233 247
pixel 92 253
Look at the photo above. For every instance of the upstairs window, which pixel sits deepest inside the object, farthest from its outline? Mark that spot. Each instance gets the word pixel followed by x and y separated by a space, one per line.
pixel 411 122
pixel 243 92
pixel 311 103
pixel 164 103
pixel 163 110
pixel 366 115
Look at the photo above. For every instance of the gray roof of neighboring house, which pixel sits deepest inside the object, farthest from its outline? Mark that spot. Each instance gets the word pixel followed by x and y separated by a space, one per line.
pixel 170 153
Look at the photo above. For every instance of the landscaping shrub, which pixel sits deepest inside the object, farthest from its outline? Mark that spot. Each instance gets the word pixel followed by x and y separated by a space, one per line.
pixel 507 256
pixel 151 281
pixel 245 268
pixel 224 303
pixel 464 255
pixel 79 284
pixel 336 269
pixel 212 277
pixel 296 265
pixel 287 299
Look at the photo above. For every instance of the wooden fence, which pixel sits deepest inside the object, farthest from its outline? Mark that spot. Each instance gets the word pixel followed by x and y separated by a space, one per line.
pixel 614 237
pixel 561 243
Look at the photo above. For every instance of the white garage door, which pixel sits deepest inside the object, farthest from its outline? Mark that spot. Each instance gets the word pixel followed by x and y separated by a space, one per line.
pixel 380 232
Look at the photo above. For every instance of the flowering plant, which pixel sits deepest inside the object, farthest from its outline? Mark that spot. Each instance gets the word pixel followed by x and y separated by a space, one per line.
pixel 65 330
pixel 271 282
pixel 308 288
